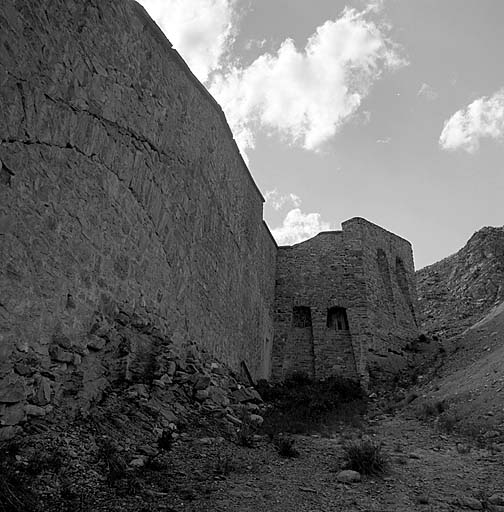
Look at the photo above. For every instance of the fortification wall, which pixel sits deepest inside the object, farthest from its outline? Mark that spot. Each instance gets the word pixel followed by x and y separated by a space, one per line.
pixel 122 193
pixel 363 269
pixel 317 274
pixel 387 263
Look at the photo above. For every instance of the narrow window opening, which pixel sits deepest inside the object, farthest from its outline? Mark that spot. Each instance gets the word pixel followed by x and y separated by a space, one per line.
pixel 337 318
pixel 301 316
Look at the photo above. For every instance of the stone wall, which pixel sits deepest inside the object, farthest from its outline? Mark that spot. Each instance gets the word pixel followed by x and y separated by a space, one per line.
pixel 122 192
pixel 387 266
pixel 365 271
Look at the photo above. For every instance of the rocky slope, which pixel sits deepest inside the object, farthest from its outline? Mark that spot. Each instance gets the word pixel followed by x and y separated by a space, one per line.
pixel 460 290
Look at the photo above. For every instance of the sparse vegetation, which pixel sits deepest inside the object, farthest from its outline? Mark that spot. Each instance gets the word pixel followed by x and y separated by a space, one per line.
pixel 285 447
pixel 245 434
pixel 165 441
pixel 15 494
pixel 429 409
pixel 224 463
pixel 365 457
pixel 448 422
pixel 115 464
pixel 301 404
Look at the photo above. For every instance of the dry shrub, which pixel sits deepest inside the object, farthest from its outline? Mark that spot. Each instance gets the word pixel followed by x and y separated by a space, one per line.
pixel 285 447
pixel 365 457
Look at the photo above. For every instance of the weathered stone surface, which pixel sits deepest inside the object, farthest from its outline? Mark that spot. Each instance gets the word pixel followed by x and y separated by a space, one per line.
pixel 12 389
pixel 12 414
pixel 9 432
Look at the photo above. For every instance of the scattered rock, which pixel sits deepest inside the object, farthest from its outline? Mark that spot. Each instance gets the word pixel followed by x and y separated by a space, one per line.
pixel 60 355
pixel 232 419
pixel 348 476
pixel 201 395
pixel 138 462
pixel 95 343
pixel 201 382
pixel 256 420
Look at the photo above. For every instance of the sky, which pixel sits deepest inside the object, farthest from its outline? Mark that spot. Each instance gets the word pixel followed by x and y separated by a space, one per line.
pixel 391 110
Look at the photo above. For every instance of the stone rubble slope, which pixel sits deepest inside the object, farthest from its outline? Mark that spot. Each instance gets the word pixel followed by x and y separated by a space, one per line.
pixel 122 352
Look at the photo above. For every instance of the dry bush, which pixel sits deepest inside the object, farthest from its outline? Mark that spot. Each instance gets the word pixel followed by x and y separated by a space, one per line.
pixel 429 409
pixel 365 457
pixel 285 447
pixel 300 404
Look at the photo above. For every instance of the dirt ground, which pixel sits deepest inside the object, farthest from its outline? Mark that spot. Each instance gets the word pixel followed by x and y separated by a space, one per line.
pixel 427 471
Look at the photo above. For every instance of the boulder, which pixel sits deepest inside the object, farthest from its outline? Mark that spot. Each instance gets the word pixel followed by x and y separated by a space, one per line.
pixel 348 476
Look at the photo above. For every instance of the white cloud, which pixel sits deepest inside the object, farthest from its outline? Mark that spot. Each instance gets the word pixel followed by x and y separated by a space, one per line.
pixel 386 140
pixel 298 226
pixel 200 30
pixel 277 200
pixel 428 92
pixel 306 95
pixel 484 117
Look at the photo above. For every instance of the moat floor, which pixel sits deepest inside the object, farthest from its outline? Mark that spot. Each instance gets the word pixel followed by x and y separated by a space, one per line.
pixel 428 471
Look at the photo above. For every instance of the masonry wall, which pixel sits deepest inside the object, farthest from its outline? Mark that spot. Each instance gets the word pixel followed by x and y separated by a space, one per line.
pixel 121 191
pixel 387 263
pixel 364 269
pixel 319 274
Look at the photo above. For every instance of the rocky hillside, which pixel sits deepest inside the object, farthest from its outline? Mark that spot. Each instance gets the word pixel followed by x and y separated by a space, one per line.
pixel 460 290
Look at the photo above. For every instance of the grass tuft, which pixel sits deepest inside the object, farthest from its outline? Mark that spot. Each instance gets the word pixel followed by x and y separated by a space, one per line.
pixel 365 457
